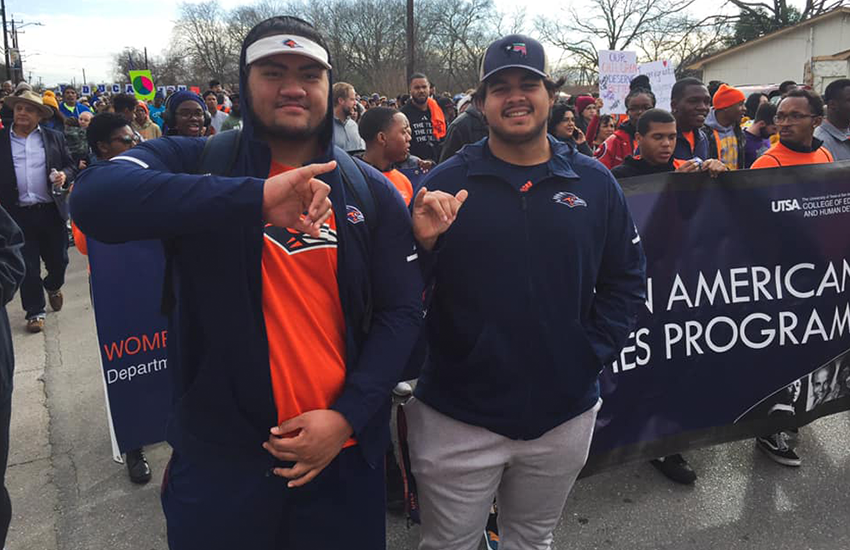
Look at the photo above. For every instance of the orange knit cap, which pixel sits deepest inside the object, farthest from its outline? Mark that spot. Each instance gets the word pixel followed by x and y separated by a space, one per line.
pixel 726 96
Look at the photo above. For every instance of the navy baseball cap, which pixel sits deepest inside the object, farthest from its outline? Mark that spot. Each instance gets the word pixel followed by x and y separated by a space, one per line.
pixel 515 51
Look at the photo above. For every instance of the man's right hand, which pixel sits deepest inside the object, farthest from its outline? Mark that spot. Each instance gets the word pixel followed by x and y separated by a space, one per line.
pixel 288 195
pixel 433 214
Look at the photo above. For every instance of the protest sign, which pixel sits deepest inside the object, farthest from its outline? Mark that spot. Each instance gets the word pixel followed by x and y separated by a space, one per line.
pixel 616 70
pixel 662 76
pixel 746 327
pixel 181 88
pixel 101 88
pixel 116 88
pixel 142 85
pixel 85 89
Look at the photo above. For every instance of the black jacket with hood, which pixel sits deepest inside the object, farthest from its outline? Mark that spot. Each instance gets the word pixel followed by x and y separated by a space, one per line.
pixel 217 346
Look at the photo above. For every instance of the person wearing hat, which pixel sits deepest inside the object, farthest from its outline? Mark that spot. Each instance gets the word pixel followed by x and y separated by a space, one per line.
pixel 536 286
pixel 185 115
pixel 37 170
pixel 726 140
pixel 142 123
pixel 297 302
pixel 157 109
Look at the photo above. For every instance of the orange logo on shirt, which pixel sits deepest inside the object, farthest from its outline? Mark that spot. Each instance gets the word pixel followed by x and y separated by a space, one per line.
pixel 526 187
pixel 293 241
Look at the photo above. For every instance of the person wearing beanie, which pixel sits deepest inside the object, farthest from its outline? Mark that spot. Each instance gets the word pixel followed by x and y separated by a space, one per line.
pixel 726 140
pixel 56 121
pixel 143 124
pixel 586 109
pixel 184 115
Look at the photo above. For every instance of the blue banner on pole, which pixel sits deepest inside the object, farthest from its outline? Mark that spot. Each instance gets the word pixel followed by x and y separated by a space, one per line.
pixel 126 282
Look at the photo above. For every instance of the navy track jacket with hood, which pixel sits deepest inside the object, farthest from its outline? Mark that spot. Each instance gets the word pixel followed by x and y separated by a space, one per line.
pixel 217 345
pixel 534 291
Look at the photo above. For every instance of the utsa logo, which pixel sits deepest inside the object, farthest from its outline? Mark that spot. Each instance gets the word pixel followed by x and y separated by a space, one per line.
pixel 518 47
pixel 569 199
pixel 787 205
pixel 293 242
pixel 290 43
pixel 354 215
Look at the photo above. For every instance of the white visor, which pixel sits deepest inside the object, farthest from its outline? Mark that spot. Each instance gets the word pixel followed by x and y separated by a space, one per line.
pixel 286 44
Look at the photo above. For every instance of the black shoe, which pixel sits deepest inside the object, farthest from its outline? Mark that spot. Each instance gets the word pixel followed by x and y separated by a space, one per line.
pixel 779 447
pixel 138 467
pixel 676 468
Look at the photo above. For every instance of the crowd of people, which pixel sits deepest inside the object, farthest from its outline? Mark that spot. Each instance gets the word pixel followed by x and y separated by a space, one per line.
pixel 319 293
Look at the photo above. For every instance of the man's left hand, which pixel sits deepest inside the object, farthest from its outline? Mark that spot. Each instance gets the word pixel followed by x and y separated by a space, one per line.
pixel 311 440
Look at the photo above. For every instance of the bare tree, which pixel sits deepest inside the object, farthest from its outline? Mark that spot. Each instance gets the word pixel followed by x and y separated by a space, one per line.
pixel 200 31
pixel 654 28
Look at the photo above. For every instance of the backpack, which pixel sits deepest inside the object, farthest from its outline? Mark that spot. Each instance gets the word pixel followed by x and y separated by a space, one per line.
pixel 219 156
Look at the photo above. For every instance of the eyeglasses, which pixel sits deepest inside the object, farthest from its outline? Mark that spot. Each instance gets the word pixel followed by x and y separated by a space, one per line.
pixel 190 114
pixel 793 117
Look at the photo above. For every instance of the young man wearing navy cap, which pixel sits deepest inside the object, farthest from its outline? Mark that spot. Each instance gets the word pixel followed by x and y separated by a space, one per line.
pixel 537 286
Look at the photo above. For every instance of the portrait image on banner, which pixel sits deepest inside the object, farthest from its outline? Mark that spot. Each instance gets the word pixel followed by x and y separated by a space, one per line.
pixel 616 71
pixel 141 84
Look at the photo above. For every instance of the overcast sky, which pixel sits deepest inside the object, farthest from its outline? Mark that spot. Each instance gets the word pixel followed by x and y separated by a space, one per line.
pixel 87 33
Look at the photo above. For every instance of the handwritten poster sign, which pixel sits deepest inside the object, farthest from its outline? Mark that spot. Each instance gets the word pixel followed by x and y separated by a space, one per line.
pixel 616 70
pixel 662 76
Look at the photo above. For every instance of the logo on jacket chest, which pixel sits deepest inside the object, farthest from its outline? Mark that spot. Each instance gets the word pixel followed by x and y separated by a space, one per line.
pixel 294 242
pixel 568 199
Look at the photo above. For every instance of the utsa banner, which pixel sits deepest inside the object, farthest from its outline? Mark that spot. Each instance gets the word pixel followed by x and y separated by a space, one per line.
pixel 746 328
pixel 126 284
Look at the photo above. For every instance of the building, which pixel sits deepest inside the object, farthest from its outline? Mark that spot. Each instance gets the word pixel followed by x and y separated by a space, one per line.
pixel 814 52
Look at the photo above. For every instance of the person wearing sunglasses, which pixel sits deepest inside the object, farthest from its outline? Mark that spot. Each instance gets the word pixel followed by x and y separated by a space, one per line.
pixel 798 114
pixel 110 135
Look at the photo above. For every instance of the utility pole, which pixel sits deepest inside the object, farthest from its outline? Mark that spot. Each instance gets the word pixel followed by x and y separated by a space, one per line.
pixel 146 58
pixel 84 76
pixel 410 49
pixel 6 40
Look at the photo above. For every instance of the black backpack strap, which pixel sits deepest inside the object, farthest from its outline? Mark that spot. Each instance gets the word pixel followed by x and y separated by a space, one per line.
pixel 218 157
pixel 357 187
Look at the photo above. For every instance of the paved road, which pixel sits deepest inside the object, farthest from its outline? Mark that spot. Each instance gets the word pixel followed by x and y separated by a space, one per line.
pixel 68 494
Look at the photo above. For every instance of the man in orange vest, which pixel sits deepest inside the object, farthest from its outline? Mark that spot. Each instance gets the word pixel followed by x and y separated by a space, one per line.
pixel 798 114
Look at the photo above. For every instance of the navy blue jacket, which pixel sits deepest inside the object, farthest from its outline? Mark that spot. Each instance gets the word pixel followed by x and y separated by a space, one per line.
pixel 683 149
pixel 217 346
pixel 516 333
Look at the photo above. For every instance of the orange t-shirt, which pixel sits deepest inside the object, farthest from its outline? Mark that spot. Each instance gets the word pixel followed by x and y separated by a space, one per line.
pixel 402 183
pixel 305 325
pixel 779 155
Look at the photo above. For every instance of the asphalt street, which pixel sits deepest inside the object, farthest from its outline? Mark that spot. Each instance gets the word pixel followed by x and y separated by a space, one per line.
pixel 68 494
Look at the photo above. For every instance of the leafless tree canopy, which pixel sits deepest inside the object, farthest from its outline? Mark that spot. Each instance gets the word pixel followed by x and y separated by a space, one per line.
pixel 367 39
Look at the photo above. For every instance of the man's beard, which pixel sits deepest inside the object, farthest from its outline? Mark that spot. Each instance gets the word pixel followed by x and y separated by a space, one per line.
pixel 420 100
pixel 764 133
pixel 289 134
pixel 346 112
pixel 531 135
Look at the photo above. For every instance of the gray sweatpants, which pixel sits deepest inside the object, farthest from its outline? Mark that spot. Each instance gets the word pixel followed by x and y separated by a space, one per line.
pixel 459 468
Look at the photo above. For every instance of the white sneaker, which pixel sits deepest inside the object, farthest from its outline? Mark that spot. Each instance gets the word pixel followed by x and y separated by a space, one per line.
pixel 403 389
